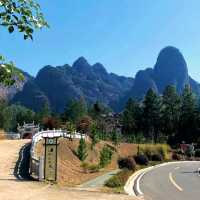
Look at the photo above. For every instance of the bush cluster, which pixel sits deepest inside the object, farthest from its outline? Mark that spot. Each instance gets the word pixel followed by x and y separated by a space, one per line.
pixel 89 168
pixel 176 156
pixel 151 149
pixel 128 163
pixel 119 179
pixel 156 157
pixel 105 156
pixel 141 159
pixel 197 153
pixel 82 150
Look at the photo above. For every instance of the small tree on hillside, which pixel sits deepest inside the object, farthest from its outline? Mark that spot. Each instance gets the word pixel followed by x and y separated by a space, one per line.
pixel 94 135
pixel 82 150
pixel 115 138
pixel 105 156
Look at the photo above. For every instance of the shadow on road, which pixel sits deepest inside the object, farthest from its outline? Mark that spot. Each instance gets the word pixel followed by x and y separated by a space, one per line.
pixel 189 172
pixel 21 170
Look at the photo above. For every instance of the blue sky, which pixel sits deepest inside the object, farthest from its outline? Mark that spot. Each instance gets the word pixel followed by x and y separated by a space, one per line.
pixel 124 35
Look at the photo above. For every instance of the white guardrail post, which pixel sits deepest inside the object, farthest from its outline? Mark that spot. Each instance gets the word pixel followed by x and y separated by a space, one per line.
pixel 41 168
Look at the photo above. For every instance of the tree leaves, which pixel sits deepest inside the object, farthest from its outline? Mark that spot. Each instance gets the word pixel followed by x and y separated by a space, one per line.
pixel 23 16
pixel 11 29
pixel 9 74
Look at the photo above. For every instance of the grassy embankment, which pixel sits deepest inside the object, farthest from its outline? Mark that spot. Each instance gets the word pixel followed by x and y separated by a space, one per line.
pixel 148 154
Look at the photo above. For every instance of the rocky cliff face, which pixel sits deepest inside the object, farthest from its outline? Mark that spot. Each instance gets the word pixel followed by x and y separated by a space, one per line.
pixel 170 69
pixel 8 93
pixel 58 85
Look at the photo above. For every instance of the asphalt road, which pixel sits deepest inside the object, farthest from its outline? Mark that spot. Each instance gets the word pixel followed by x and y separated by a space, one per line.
pixel 172 182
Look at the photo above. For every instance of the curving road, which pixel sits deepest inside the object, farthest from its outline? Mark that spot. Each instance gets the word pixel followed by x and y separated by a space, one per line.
pixel 178 181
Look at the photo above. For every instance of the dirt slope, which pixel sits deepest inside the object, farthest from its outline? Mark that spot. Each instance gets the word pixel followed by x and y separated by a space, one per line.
pixel 70 172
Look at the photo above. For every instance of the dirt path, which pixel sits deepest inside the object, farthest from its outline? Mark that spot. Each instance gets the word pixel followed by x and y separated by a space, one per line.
pixel 13 189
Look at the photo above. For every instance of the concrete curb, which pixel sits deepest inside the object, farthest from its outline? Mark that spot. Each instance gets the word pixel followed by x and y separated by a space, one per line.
pixel 132 186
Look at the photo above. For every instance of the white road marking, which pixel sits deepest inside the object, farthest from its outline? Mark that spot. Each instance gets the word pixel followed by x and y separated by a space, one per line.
pixel 174 183
pixel 133 180
pixel 177 168
pixel 138 184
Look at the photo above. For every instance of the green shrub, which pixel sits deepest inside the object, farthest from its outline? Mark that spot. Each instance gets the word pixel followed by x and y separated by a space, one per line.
pixel 115 138
pixel 105 156
pixel 141 159
pixel 119 179
pixel 82 150
pixel 156 157
pixel 176 156
pixel 90 168
pixel 93 168
pixel 94 136
pixel 128 163
pixel 197 153
pixel 150 149
pixel 113 182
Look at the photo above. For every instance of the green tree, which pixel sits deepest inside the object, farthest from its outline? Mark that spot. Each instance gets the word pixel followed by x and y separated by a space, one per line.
pixel 170 111
pixel 70 128
pixel 46 111
pixel 75 110
pixel 131 117
pixel 152 115
pixel 189 116
pixel 16 114
pixel 43 114
pixel 50 123
pixel 105 156
pixel 23 16
pixel 115 138
pixel 97 110
pixel 94 135
pixel 3 105
pixel 84 124
pixel 82 150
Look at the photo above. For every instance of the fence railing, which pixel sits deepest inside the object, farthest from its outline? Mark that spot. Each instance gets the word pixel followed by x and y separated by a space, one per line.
pixel 37 168
pixel 37 163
